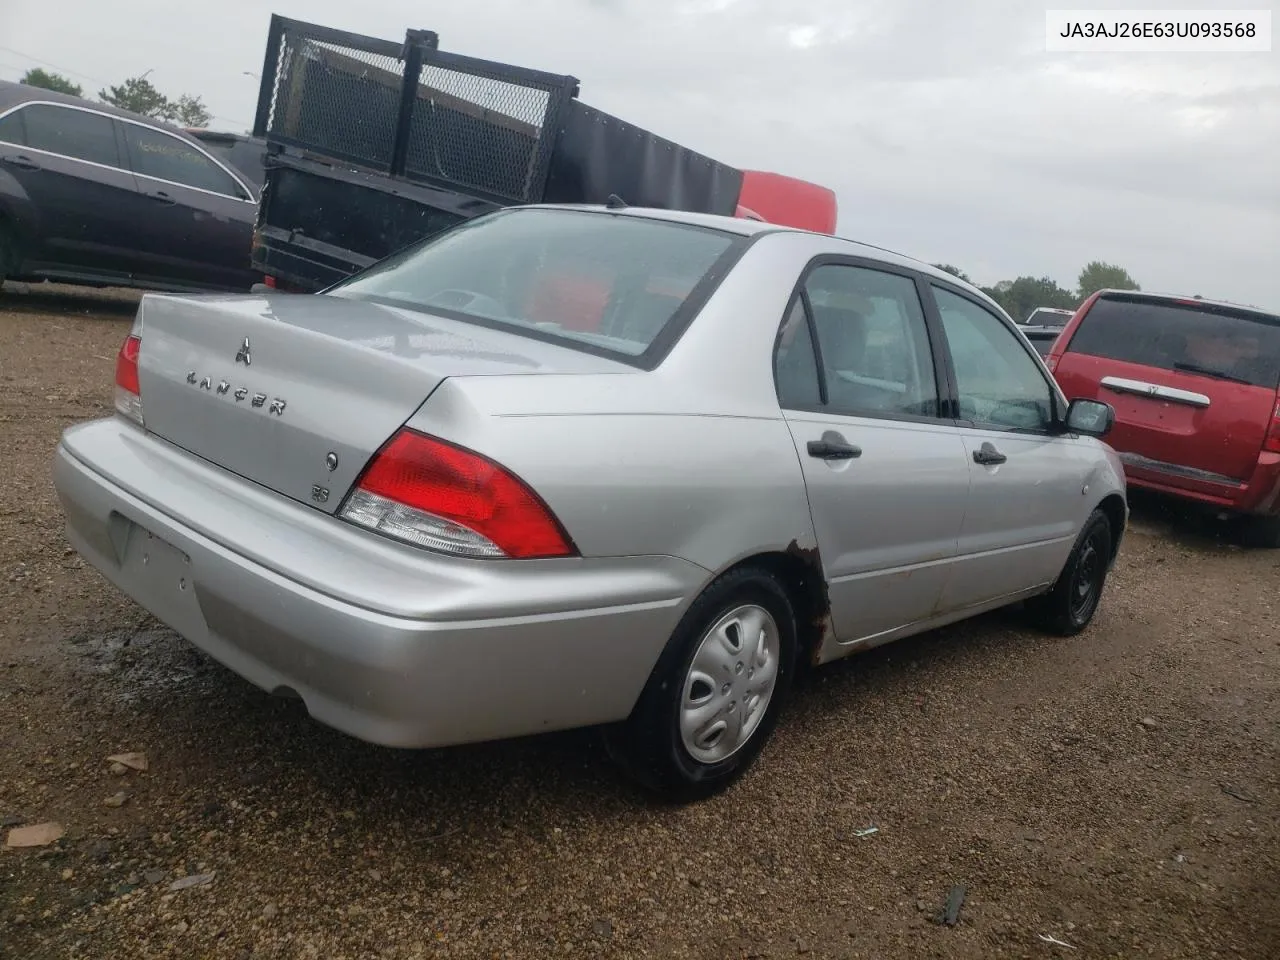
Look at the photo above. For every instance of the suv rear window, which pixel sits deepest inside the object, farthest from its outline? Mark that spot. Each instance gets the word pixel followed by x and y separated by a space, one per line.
pixel 610 284
pixel 1208 340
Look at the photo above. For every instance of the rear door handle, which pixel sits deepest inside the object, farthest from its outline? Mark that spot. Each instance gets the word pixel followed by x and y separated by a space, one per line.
pixel 161 197
pixel 22 163
pixel 988 456
pixel 832 446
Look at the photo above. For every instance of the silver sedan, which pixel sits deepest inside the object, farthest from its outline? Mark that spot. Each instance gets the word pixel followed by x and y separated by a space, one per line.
pixel 566 466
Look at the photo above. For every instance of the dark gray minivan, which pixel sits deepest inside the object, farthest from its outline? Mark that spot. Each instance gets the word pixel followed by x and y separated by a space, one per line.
pixel 94 195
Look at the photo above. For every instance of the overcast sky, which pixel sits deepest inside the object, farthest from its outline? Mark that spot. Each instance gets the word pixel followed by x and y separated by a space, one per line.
pixel 946 130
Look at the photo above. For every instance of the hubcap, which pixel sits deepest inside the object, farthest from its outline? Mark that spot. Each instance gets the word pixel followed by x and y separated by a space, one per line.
pixel 1084 585
pixel 730 682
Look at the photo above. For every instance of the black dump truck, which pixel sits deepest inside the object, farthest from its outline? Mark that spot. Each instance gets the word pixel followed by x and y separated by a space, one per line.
pixel 372 145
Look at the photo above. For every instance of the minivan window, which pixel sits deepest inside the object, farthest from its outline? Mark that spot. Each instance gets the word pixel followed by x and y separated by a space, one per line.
pixel 1203 339
pixel 156 154
pixel 615 283
pixel 71 133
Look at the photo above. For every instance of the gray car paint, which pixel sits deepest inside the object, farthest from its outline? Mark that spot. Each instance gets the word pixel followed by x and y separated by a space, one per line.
pixel 663 479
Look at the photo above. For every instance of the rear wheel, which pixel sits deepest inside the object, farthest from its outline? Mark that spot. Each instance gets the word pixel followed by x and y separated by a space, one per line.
pixel 8 251
pixel 1069 607
pixel 713 698
pixel 1261 532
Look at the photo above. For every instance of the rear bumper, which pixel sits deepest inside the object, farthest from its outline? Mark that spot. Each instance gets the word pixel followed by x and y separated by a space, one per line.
pixel 384 642
pixel 1258 495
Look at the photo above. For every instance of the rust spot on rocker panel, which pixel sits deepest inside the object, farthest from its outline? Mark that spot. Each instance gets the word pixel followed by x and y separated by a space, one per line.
pixel 821 628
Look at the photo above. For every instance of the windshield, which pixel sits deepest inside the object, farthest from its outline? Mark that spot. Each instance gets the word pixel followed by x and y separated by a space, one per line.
pixel 611 282
pixel 1048 318
pixel 1207 340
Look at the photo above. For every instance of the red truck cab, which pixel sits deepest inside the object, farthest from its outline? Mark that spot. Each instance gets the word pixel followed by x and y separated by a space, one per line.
pixel 1196 389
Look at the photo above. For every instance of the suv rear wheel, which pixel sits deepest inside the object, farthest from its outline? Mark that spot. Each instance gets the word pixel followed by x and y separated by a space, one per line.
pixel 1261 532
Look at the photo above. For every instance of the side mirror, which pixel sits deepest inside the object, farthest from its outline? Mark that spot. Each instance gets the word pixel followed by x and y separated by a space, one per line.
pixel 1093 418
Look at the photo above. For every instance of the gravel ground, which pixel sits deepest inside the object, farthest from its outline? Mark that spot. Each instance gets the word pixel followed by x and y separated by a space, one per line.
pixel 1118 792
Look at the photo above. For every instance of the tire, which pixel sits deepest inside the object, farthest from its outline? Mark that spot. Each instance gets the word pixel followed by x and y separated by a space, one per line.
pixel 1262 532
pixel 8 251
pixel 1070 605
pixel 669 744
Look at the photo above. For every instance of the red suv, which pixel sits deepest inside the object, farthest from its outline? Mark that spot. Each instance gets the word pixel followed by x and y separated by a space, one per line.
pixel 1196 389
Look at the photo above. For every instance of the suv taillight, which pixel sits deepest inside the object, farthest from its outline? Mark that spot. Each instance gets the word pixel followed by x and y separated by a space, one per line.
pixel 1272 442
pixel 435 495
pixel 128 390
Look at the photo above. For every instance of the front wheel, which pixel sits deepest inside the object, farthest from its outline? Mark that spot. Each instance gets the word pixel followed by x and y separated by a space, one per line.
pixel 1069 607
pixel 714 697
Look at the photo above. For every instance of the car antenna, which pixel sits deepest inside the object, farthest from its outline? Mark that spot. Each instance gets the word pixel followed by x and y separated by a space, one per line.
pixel 615 202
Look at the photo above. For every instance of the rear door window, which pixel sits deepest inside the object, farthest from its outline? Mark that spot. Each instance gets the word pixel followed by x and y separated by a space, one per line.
pixel 1208 340
pixel 67 132
pixel 871 340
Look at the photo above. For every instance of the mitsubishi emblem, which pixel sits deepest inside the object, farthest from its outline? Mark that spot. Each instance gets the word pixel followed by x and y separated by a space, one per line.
pixel 242 355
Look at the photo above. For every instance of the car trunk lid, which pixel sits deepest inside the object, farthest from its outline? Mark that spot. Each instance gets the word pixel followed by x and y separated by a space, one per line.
pixel 1193 384
pixel 298 392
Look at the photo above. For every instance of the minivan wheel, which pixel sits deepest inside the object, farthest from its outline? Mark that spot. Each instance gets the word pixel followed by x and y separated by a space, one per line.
pixel 714 697
pixel 1069 607
pixel 1261 532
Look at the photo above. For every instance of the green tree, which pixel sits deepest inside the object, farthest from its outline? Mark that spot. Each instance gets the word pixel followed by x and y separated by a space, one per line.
pixel 137 95
pixel 35 77
pixel 1019 297
pixel 954 271
pixel 189 111
pixel 1104 276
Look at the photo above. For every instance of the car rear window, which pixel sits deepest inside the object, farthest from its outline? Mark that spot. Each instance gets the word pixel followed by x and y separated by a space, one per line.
pixel 1203 339
pixel 611 284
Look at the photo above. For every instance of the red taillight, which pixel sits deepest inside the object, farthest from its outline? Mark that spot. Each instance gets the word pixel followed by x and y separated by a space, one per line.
pixel 128 391
pixel 1272 443
pixel 435 495
pixel 127 364
pixel 269 281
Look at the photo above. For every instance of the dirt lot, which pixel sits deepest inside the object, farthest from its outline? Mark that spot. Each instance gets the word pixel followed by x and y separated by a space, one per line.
pixel 1118 792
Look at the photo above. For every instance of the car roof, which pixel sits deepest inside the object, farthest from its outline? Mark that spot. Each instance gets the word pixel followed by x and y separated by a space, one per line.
pixel 750 228
pixel 16 94
pixel 1183 298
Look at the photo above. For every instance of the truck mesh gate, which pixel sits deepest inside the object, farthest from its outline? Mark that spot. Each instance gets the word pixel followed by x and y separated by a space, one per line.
pixel 476 129
pixel 474 124
pixel 339 100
